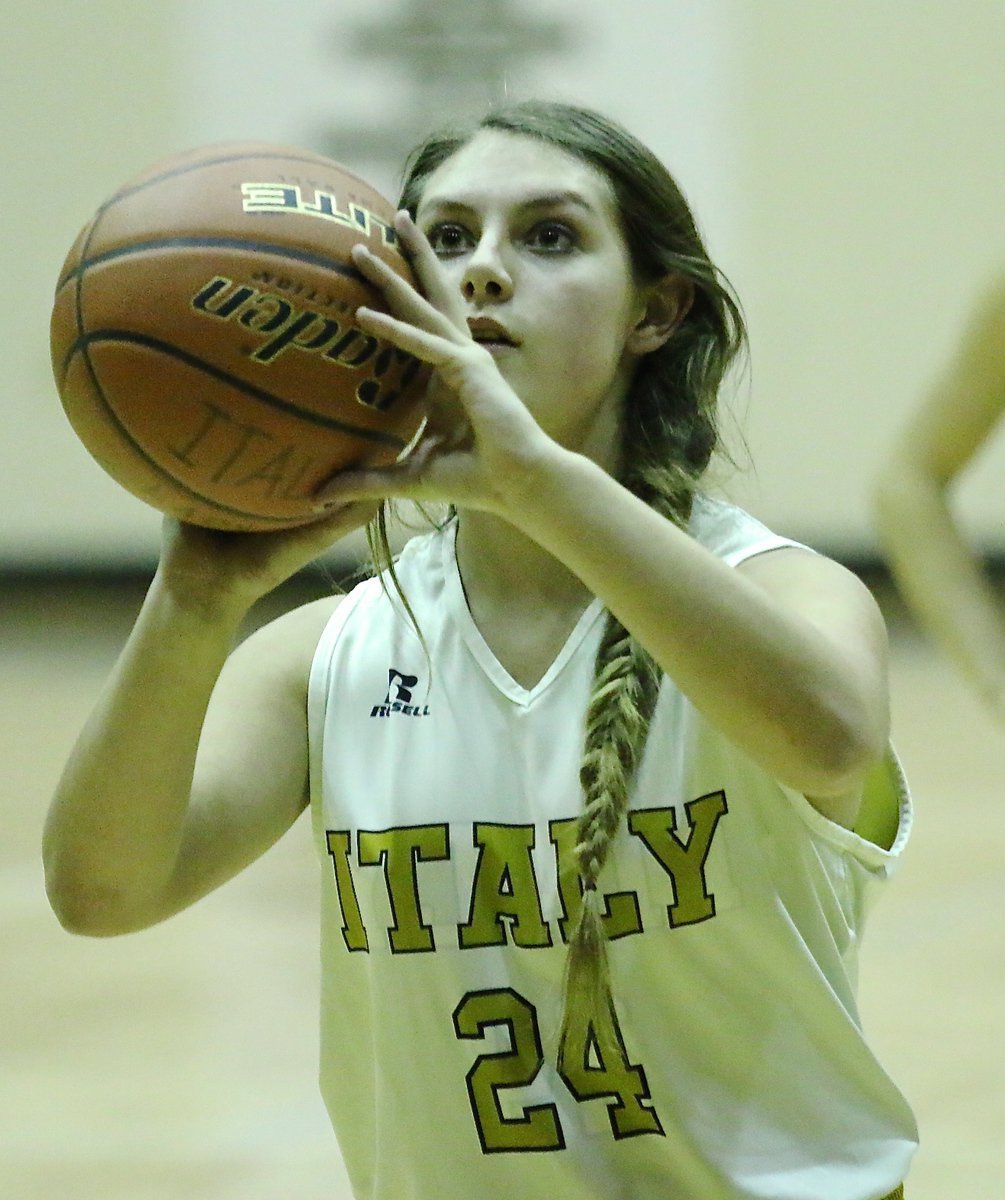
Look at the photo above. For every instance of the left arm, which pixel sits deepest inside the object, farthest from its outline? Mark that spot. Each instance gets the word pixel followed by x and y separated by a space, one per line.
pixel 786 654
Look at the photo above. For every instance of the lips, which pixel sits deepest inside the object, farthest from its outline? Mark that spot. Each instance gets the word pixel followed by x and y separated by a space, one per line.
pixel 485 331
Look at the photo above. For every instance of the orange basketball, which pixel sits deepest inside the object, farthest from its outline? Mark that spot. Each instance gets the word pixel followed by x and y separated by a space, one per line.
pixel 203 341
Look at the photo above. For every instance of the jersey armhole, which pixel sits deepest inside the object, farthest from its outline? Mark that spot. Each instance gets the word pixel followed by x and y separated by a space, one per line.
pixel 879 816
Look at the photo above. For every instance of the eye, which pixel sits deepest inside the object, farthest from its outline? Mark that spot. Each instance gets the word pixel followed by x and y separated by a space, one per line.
pixel 448 239
pixel 551 237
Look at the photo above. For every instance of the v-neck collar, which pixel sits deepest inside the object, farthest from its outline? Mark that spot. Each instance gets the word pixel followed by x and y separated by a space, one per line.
pixel 480 649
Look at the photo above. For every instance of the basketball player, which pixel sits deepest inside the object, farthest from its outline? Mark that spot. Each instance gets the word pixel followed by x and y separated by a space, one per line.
pixel 934 566
pixel 599 775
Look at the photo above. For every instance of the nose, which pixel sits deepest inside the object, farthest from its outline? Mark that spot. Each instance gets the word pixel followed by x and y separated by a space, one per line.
pixel 485 275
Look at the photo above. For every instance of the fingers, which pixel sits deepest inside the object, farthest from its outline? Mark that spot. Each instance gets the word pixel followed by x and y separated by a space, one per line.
pixel 442 295
pixel 339 518
pixel 401 480
pixel 402 299
pixel 363 487
pixel 431 348
pixel 438 307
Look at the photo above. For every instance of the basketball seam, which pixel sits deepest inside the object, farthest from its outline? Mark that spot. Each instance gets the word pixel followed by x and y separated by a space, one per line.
pixel 277 250
pixel 175 482
pixel 86 340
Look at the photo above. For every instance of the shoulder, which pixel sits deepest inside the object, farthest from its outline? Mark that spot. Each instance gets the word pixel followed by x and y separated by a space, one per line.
pixel 300 626
pixel 819 587
pixel 733 534
pixel 774 561
pixel 283 649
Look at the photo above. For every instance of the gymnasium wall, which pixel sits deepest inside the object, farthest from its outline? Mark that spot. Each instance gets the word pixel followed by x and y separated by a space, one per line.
pixel 844 159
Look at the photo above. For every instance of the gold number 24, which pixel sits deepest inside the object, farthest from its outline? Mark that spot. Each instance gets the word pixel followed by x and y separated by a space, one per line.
pixel 621 1083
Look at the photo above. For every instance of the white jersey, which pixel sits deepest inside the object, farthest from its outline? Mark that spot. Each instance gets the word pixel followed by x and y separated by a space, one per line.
pixel 445 798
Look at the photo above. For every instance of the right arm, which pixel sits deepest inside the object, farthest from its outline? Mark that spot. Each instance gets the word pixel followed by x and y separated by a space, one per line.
pixel 942 580
pixel 194 760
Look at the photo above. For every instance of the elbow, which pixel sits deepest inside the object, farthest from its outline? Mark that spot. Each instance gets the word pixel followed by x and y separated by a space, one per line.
pixel 79 916
pixel 86 910
pixel 847 767
pixel 837 749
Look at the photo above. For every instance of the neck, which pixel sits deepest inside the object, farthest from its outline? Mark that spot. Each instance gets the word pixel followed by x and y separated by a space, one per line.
pixel 497 562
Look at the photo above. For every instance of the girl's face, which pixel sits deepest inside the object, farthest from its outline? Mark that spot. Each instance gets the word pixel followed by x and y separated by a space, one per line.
pixel 530 236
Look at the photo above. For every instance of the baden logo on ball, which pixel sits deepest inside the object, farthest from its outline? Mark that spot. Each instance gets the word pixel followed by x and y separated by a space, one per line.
pixel 203 340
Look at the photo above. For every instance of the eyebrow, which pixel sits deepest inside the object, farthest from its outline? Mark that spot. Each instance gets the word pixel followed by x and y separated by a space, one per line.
pixel 545 200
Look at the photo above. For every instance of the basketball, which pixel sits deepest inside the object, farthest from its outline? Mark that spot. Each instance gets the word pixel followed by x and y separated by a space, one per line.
pixel 203 341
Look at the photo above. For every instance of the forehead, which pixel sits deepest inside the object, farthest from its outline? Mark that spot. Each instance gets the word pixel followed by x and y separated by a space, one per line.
pixel 500 169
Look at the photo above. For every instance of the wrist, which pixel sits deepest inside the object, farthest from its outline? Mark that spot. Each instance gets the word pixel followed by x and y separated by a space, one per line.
pixel 199 598
pixel 533 480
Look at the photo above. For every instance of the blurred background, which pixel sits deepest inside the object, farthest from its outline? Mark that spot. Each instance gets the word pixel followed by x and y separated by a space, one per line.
pixel 845 161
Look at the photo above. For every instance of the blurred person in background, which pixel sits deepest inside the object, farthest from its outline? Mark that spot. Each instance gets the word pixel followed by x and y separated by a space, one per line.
pixel 938 572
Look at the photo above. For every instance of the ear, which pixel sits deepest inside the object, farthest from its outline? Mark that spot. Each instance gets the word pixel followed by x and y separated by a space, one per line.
pixel 665 304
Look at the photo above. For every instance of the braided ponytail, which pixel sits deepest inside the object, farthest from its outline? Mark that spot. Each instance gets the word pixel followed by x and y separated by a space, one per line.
pixel 626 685
pixel 625 690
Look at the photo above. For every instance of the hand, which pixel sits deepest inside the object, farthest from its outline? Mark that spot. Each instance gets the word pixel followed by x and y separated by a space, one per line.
pixel 211 568
pixel 478 438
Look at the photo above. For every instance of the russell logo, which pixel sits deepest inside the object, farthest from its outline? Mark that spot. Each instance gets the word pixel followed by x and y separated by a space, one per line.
pixel 398 700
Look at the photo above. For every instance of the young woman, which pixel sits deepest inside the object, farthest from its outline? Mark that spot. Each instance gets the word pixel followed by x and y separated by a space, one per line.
pixel 933 564
pixel 600 778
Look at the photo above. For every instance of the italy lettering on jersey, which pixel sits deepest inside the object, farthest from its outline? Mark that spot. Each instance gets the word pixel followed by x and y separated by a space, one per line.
pixel 505 901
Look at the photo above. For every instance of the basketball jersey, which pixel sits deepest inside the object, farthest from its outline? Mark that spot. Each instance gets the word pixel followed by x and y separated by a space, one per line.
pixel 445 798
